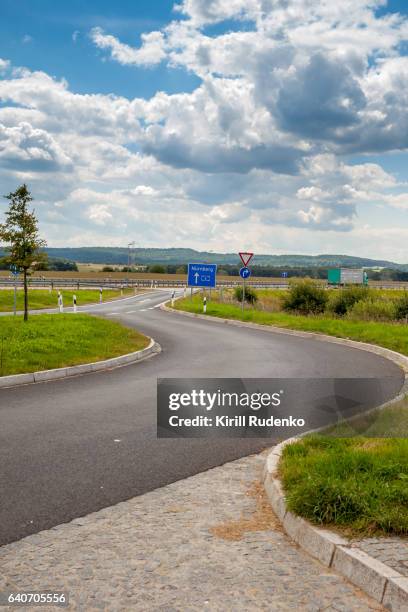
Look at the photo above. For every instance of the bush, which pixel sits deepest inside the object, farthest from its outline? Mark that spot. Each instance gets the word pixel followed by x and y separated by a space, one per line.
pixel 157 269
pixel 107 269
pixel 373 310
pixel 341 302
pixel 250 295
pixel 401 307
pixel 305 297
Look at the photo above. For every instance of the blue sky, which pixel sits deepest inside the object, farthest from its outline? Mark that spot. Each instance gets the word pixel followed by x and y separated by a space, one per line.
pixel 51 26
pixel 216 124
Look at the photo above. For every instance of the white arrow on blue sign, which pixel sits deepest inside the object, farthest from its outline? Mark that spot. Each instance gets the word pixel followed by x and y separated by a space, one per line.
pixel 201 275
pixel 245 272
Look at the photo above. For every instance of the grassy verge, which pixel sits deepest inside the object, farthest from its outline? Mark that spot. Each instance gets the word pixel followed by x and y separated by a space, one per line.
pixel 358 485
pixel 55 341
pixel 390 335
pixel 39 298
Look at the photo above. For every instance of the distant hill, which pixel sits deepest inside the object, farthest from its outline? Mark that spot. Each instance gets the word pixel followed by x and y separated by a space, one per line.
pixel 118 255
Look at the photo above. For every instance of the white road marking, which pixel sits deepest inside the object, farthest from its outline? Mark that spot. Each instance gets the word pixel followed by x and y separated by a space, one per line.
pixel 113 314
pixel 130 311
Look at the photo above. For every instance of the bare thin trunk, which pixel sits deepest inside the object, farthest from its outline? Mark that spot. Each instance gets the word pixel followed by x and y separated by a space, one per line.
pixel 25 296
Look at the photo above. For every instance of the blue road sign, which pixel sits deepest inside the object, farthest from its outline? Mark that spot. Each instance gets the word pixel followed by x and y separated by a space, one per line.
pixel 14 270
pixel 245 272
pixel 201 275
pixel 284 275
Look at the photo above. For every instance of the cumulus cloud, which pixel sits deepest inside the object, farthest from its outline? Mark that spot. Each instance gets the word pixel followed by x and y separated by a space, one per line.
pixel 151 51
pixel 268 135
pixel 4 65
pixel 24 147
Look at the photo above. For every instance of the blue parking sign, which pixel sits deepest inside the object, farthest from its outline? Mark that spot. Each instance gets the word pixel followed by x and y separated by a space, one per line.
pixel 201 275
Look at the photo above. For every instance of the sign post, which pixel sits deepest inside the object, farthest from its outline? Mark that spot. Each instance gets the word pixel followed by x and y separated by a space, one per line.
pixel 245 272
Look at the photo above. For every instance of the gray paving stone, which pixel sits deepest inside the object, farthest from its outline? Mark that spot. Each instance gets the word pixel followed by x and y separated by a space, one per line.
pixel 166 550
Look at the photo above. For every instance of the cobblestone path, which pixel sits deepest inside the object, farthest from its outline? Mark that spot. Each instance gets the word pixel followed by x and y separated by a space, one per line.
pixel 207 542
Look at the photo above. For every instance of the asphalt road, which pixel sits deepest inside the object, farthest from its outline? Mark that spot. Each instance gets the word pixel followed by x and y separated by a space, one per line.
pixel 74 446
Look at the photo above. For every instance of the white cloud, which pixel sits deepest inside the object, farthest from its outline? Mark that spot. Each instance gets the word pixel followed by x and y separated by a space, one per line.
pixel 24 147
pixel 151 51
pixel 4 65
pixel 259 150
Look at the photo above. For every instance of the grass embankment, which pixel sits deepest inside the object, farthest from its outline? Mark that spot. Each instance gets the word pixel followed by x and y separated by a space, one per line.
pixel 359 485
pixel 390 335
pixel 55 341
pixel 39 298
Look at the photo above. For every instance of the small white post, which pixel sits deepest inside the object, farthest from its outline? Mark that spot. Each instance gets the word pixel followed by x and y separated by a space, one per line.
pixel 184 292
pixel 172 298
pixel 121 289
pixel 100 295
pixel 205 304
pixel 74 303
pixel 60 302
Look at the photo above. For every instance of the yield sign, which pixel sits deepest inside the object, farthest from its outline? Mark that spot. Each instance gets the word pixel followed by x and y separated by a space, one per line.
pixel 246 258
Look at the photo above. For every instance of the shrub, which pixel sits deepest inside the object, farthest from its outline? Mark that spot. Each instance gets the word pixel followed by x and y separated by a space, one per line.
pixel 157 269
pixel 305 297
pixel 107 269
pixel 401 307
pixel 373 310
pixel 341 302
pixel 250 295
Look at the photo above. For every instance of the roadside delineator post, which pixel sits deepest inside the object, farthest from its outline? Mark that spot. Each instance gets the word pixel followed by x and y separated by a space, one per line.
pixel 172 298
pixel 100 295
pixel 184 292
pixel 74 303
pixel 60 302
pixel 205 304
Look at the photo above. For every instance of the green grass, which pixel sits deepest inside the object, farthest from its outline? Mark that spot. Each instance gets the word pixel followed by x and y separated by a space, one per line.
pixel 390 335
pixel 40 298
pixel 391 422
pixel 359 485
pixel 53 341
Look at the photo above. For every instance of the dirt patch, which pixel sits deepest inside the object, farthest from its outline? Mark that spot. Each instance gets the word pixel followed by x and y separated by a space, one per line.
pixel 262 519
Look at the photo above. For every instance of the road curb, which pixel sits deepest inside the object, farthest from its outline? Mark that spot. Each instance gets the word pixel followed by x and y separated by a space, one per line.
pixel 385 585
pixel 85 368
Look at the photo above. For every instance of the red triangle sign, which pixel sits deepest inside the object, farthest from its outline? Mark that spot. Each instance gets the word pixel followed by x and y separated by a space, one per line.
pixel 246 258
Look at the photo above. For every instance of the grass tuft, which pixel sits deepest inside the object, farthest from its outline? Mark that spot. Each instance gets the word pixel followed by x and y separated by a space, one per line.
pixel 359 485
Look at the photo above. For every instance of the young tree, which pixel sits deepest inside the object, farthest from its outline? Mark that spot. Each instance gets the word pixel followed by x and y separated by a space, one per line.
pixel 20 233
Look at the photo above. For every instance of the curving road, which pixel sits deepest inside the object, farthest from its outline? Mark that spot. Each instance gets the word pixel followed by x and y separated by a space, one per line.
pixel 74 446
